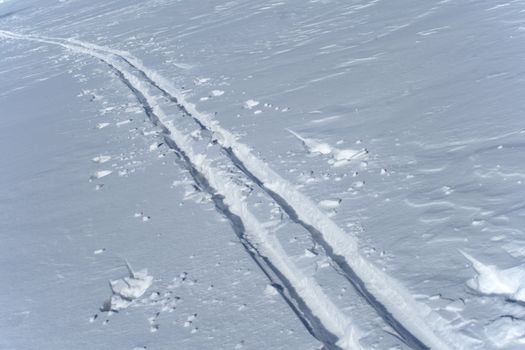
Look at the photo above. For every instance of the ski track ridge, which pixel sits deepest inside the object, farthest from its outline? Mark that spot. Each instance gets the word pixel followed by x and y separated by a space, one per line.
pixel 415 323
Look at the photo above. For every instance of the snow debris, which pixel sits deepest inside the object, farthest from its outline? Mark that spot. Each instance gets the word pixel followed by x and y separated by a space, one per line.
pixel 217 93
pixel 506 332
pixel 100 174
pixel 339 156
pixel 330 203
pixel 491 280
pixel 250 104
pixel 101 159
pixel 270 290
pixel 102 125
pixel 127 289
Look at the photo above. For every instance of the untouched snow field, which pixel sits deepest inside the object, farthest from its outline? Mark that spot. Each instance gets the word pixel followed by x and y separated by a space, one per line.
pixel 320 174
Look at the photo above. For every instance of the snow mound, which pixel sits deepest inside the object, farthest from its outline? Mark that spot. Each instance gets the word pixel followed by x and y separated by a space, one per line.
pixel 340 156
pixel 491 280
pixel 127 289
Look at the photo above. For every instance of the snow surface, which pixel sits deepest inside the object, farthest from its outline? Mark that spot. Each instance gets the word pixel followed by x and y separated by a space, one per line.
pixel 292 174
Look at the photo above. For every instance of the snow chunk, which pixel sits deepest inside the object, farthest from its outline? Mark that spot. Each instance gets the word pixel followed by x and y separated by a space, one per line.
pixel 330 203
pixel 154 146
pixel 312 145
pixel 340 156
pixel 201 81
pixel 102 125
pixel 132 287
pixel 100 174
pixel 491 280
pixel 250 104
pixel 217 93
pixel 127 289
pixel 347 154
pixel 101 159
pixel 270 290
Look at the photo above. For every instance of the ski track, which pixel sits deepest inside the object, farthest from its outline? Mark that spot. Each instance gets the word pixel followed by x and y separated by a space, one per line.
pixel 316 311
pixel 416 324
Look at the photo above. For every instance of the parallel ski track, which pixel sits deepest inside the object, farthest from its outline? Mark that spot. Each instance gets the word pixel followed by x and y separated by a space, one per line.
pixel 278 281
pixel 414 322
pixel 314 309
pixel 405 335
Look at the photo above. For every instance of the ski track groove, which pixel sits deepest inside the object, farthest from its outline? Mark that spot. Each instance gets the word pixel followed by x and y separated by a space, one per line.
pixel 416 325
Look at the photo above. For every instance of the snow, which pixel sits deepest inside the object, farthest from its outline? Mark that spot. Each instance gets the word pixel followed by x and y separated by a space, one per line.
pixel 249 104
pixel 340 156
pixel 216 93
pixel 506 332
pixel 127 289
pixel 292 175
pixel 101 159
pixel 491 280
pixel 101 173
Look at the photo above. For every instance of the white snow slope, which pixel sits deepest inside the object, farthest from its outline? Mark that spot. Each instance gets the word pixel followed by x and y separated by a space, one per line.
pixel 282 174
